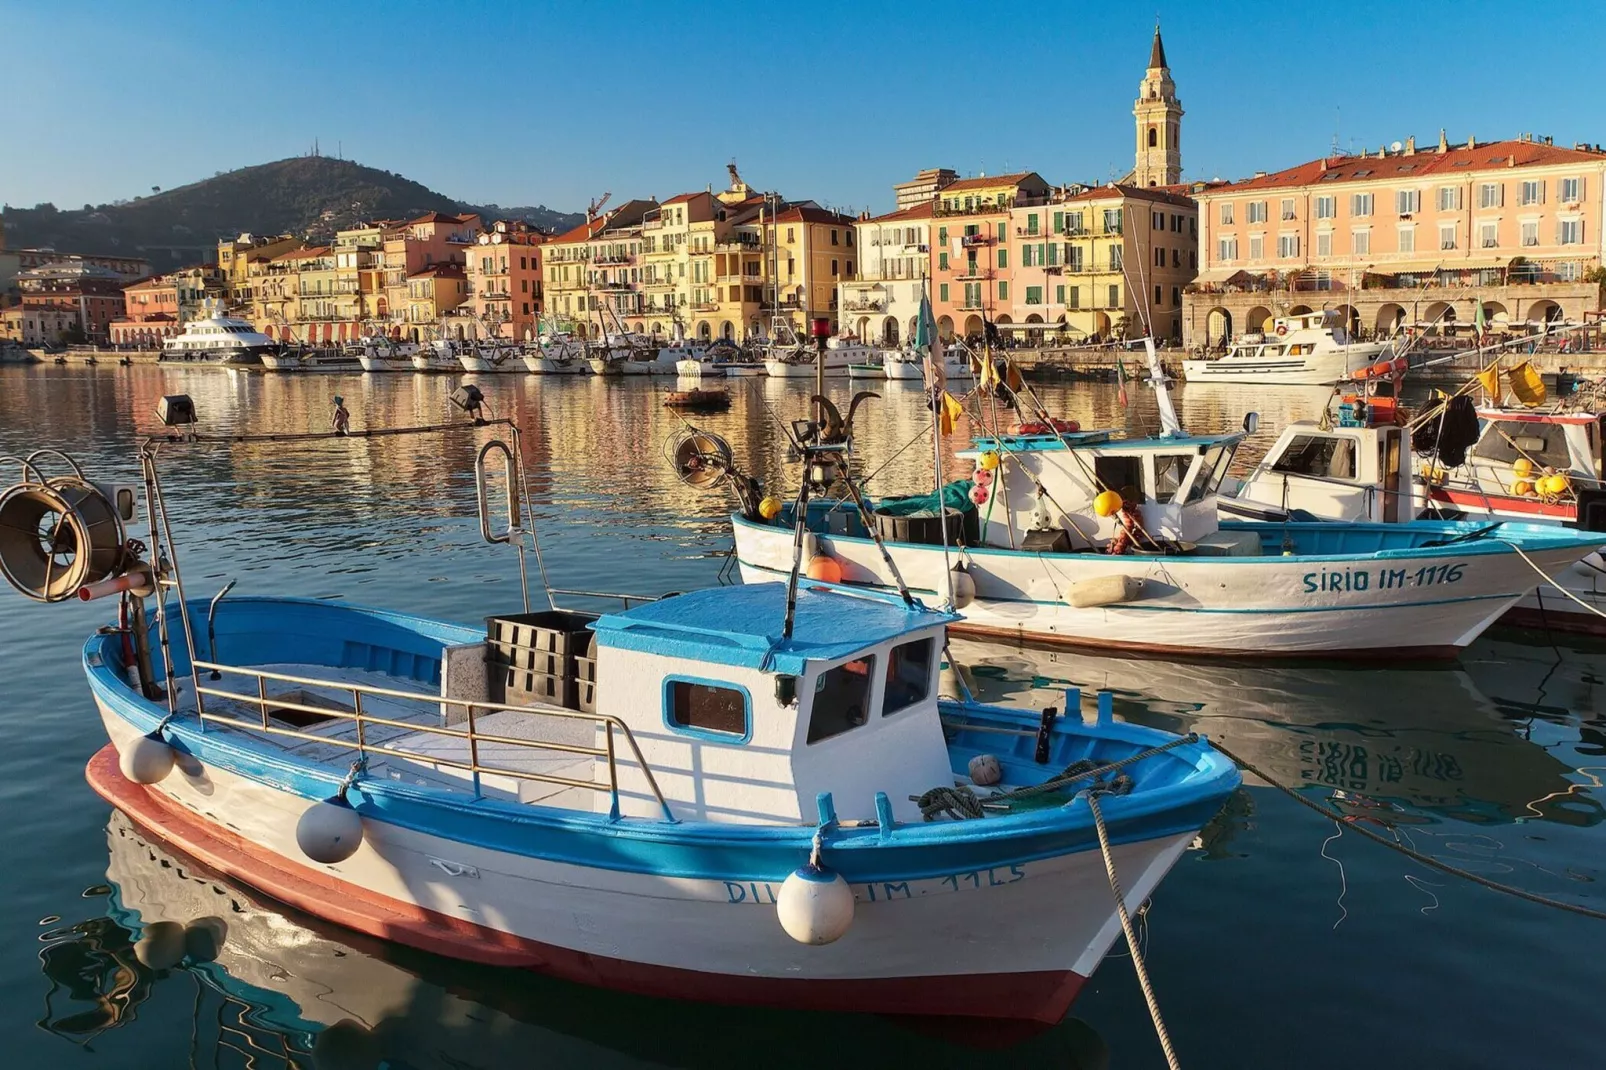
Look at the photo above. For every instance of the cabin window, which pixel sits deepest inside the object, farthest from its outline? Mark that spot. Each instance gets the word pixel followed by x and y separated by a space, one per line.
pixel 841 699
pixel 705 707
pixel 1212 472
pixel 1169 472
pixel 908 676
pixel 1124 475
pixel 1544 444
pixel 1324 456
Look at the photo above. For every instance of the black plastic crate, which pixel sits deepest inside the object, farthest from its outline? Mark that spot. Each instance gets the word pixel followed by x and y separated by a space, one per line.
pixel 516 687
pixel 545 642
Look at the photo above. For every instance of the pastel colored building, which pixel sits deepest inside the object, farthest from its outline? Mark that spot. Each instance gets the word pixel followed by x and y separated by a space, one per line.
pixel 413 246
pixel 433 293
pixel 504 279
pixel 591 275
pixel 69 300
pixel 150 314
pixel 1405 239
pixel 882 303
pixel 972 255
pixel 234 259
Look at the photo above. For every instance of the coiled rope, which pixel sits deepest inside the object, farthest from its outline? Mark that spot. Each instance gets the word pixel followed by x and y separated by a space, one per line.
pixel 1416 856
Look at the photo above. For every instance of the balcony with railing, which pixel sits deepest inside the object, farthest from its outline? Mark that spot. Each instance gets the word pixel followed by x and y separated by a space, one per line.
pixel 864 305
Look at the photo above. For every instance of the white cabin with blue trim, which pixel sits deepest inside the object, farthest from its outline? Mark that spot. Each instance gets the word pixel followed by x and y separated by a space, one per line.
pixel 739 724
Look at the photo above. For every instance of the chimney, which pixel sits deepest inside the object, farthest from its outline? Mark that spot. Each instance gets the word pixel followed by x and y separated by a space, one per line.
pixel 1549 140
pixel 1472 142
pixel 1444 146
pixel 1410 145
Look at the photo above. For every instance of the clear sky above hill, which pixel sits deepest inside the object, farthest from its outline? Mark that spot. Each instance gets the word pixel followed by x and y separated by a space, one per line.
pixel 531 102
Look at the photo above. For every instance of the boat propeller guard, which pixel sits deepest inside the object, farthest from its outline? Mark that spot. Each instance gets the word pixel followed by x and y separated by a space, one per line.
pixel 59 534
pixel 703 460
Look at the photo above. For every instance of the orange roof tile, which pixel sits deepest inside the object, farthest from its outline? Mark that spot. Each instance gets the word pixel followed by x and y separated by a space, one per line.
pixel 989 182
pixel 304 254
pixel 1163 195
pixel 1489 156
pixel 806 214
pixel 923 210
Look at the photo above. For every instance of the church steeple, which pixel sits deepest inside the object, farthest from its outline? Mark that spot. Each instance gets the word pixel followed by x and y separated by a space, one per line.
pixel 1159 122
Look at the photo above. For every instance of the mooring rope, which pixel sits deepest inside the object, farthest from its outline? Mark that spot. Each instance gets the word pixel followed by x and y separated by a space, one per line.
pixel 1131 936
pixel 1546 577
pixel 1394 845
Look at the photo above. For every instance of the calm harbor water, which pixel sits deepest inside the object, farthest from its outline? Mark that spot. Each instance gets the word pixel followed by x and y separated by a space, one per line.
pixel 1283 940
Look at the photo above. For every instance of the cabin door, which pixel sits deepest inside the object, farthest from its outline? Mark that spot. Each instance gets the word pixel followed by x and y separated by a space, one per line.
pixel 1394 487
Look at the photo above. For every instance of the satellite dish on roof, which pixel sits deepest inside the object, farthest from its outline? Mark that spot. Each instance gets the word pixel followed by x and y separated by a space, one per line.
pixel 1396 146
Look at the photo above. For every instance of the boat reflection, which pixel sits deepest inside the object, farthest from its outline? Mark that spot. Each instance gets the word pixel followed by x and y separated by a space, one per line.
pixel 284 990
pixel 1430 740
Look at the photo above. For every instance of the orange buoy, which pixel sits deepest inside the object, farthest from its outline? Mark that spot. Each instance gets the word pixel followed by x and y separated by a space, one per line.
pixel 825 568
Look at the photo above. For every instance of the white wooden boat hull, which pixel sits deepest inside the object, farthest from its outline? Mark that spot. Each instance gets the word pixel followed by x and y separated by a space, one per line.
pixel 541 365
pixel 948 944
pixel 1404 604
pixel 1309 370
pixel 385 364
pixel 486 365
pixel 914 370
pixel 698 369
pixel 281 362
pixel 785 369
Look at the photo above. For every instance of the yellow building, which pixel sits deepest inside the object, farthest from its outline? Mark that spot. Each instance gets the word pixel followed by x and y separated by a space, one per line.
pixel 432 293
pixel 359 277
pixel 814 253
pixel 234 259
pixel 592 274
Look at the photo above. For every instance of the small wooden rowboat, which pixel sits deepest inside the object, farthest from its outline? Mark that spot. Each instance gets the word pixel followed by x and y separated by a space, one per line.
pixel 699 400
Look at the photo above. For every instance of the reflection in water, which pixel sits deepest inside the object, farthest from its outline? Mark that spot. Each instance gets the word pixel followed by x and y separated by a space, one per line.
pixel 286 991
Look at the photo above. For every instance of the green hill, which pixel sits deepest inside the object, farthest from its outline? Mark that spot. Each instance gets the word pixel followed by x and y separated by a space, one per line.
pixel 310 196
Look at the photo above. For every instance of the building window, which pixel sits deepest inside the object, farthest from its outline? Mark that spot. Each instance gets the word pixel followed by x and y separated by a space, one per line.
pixel 1288 208
pixel 1075 297
pixel 834 237
pixel 1489 235
pixel 1257 246
pixel 1449 200
pixel 1059 295
pixel 1226 213
pixel 1059 222
pixel 1003 291
pixel 1003 258
pixel 1227 249
pixel 1053 253
pixel 1360 204
pixel 841 699
pixel 1115 258
pixel 1533 191
pixel 1002 231
pixel 1073 257
pixel 1493 194
pixel 1031 223
pixel 1034 295
pixel 1408 201
pixel 942 261
pixel 1115 296
pixel 1176 297
pixel 1159 297
pixel 1570 232
pixel 1446 235
pixel 942 292
pixel 1360 242
pixel 1287 245
pixel 1407 239
pixel 1530 233
pixel 1326 207
pixel 1572 190
pixel 1027 257
pixel 1324 243
pixel 702 708
pixel 1257 211
pixel 1159 258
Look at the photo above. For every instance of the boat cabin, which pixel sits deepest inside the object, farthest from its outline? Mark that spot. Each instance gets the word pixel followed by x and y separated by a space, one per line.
pixel 1050 482
pixel 1334 473
pixel 738 724
pixel 1568 442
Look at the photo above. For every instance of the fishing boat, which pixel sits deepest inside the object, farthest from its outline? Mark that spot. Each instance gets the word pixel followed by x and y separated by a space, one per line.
pixel 1314 348
pixel 1527 466
pixel 218 338
pixel 558 354
pixel 701 399
pixel 910 366
pixel 493 355
pixel 377 353
pixel 745 794
pixel 797 361
pixel 438 355
pixel 1083 538
pixel 703 361
pixel 301 359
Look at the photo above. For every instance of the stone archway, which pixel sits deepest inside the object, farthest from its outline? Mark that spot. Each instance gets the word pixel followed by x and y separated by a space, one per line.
pixel 727 331
pixel 657 329
pixel 889 331
pixel 704 332
pixel 945 328
pixel 1218 326
pixel 972 326
pixel 914 327
pixel 863 331
pixel 1101 325
pixel 1438 316
pixel 1496 316
pixel 1390 318
pixel 1257 320
pixel 1299 310
pixel 1544 313
pixel 1034 338
pixel 1352 319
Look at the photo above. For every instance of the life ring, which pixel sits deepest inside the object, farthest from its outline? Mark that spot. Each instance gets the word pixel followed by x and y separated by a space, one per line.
pixel 1282 329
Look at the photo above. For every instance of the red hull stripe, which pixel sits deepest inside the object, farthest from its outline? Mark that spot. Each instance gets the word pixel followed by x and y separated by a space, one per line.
pixel 1038 996
pixel 1504 503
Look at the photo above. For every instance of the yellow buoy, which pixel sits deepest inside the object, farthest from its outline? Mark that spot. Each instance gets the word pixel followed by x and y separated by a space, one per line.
pixel 1523 488
pixel 1108 503
pixel 988 460
pixel 769 508
pixel 1554 486
pixel 1523 468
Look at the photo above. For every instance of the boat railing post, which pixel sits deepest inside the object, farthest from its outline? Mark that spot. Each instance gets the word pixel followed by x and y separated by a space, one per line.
pixel 613 775
pixel 356 708
pixel 473 751
pixel 262 698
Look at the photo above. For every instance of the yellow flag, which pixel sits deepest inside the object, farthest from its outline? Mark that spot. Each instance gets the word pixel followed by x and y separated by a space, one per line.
pixel 951 412
pixel 1526 384
pixel 1489 379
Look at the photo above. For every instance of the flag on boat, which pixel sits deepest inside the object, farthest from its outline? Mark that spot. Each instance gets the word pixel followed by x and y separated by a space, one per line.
pixel 1120 380
pixel 1526 384
pixel 948 413
pixel 1489 379
pixel 1480 321
pixel 929 345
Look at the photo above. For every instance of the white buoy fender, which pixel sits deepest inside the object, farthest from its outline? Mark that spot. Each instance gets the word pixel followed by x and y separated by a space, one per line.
pixel 145 760
pixel 329 831
pixel 1103 591
pixel 964 587
pixel 815 905
pixel 985 770
pixel 161 945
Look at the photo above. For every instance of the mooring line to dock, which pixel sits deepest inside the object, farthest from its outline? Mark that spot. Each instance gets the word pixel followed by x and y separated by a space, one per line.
pixel 1546 577
pixel 1417 856
pixel 1131 936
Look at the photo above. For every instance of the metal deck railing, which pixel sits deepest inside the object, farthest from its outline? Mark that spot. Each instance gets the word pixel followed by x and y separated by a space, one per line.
pixel 472 737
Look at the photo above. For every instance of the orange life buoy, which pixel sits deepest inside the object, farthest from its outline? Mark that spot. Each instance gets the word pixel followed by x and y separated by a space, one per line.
pixel 1282 328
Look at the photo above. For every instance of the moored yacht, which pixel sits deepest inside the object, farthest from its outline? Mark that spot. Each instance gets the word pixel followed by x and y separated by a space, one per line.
pixel 218 338
pixel 1314 348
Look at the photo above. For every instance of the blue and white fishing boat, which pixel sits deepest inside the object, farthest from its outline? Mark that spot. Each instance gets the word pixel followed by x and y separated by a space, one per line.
pixel 746 795
pixel 1085 538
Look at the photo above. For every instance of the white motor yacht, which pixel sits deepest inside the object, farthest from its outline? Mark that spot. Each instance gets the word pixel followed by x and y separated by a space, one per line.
pixel 1314 348
pixel 217 338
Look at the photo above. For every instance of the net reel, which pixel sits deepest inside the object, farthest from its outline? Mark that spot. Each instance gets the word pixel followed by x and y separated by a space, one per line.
pixel 61 534
pixel 703 460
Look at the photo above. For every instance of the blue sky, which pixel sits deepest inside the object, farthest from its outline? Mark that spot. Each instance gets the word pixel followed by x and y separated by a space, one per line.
pixel 525 103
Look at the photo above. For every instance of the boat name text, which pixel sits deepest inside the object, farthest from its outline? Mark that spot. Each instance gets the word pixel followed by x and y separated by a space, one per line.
pixel 1383 579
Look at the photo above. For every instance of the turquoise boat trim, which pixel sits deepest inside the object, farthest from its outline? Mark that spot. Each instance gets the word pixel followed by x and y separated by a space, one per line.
pixel 727 738
pixel 1185 795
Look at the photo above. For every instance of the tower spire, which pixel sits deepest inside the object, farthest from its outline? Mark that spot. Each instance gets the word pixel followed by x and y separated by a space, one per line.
pixel 1157 50
pixel 1159 122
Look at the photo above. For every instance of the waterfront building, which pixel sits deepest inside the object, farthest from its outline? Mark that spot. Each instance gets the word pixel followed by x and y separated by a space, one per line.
pixel 278 309
pixel 591 274
pixel 1405 239
pixel 815 253
pixel 923 188
pixel 972 250
pixel 881 304
pixel 234 258
pixel 126 268
pixel 433 293
pixel 10 264
pixel 504 279
pixel 360 305
pixel 150 313
pixel 411 247
pixel 68 300
pixel 668 290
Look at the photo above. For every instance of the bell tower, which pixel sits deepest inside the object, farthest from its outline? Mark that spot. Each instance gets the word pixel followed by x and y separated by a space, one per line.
pixel 1159 123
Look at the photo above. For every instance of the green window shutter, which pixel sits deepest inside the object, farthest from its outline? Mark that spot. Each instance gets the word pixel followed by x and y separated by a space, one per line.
pixel 1053 254
pixel 1059 295
pixel 942 235
pixel 1002 232
pixel 1042 254
pixel 942 261
pixel 1003 291
pixel 942 292
pixel 1059 222
pixel 1003 258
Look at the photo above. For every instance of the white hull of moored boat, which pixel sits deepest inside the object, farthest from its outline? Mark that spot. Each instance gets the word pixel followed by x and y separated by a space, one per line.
pixel 686 937
pixel 1316 369
pixel 914 370
pixel 377 363
pixel 1399 603
pixel 281 362
pixel 474 362
pixel 787 369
